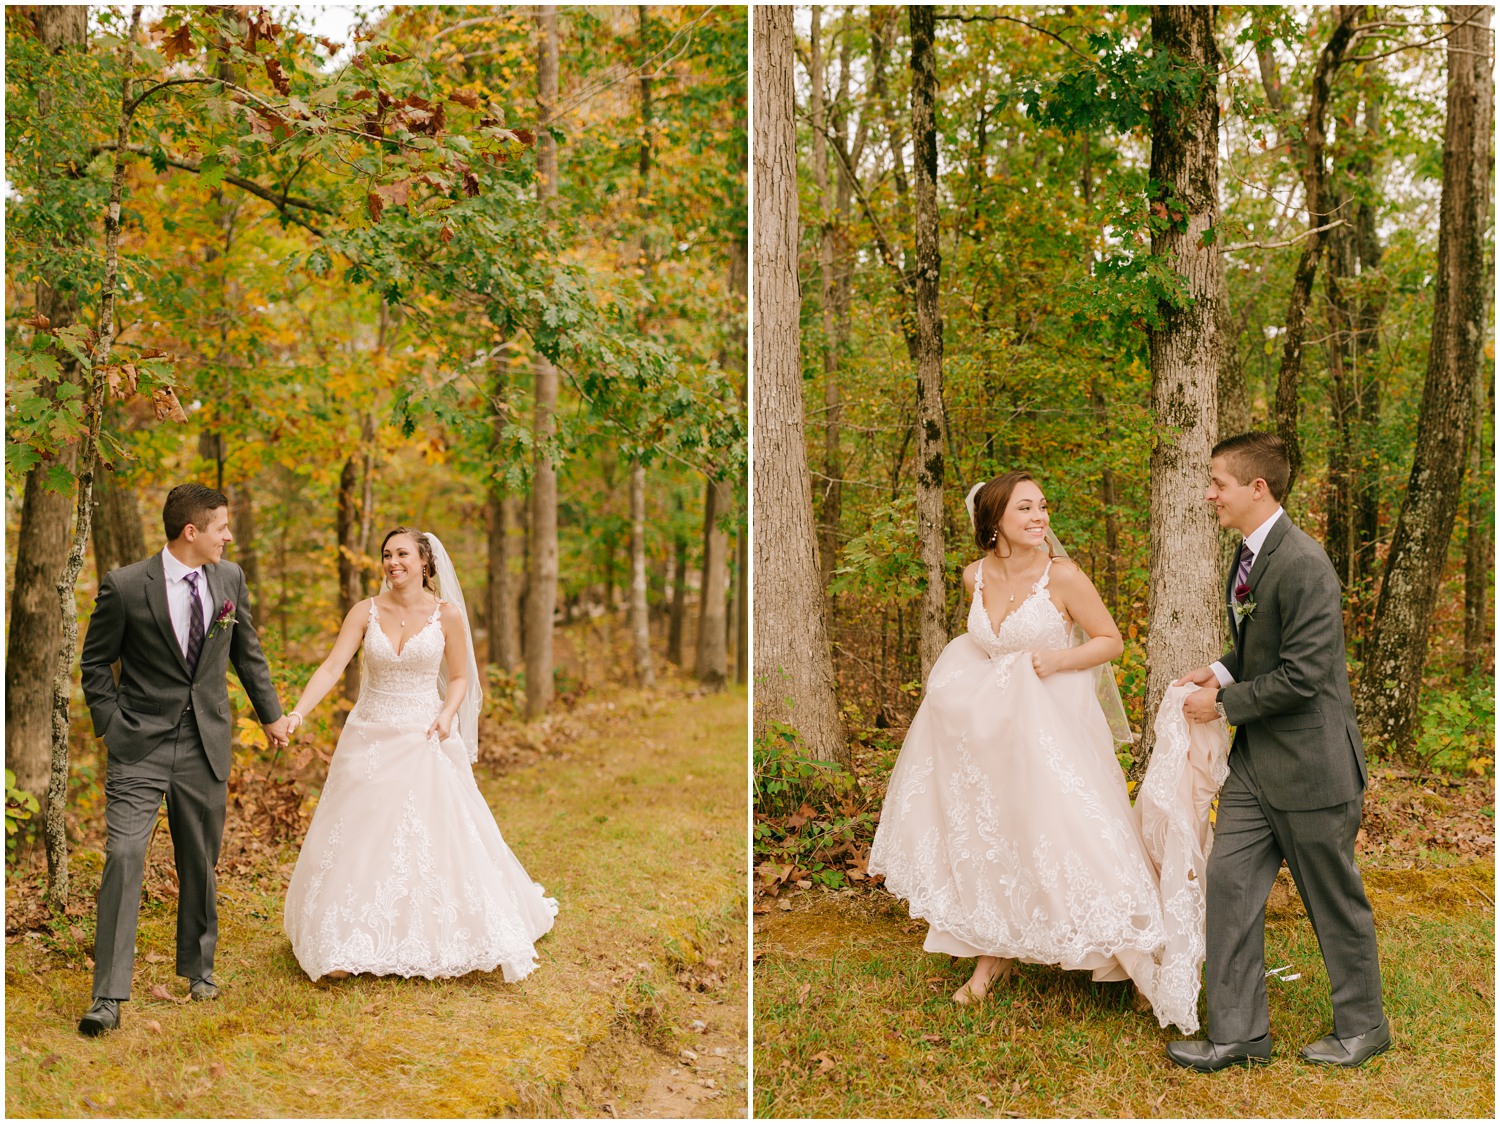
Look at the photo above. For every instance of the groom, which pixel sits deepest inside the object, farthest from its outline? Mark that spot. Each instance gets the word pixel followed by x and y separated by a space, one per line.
pixel 1296 780
pixel 172 622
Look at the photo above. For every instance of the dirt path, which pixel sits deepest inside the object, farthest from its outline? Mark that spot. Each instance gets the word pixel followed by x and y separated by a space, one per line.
pixel 638 1007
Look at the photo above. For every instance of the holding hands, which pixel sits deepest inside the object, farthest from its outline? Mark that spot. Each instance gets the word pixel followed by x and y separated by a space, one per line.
pixel 279 732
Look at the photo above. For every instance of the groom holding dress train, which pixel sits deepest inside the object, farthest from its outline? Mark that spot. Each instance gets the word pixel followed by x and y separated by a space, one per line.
pixel 1295 789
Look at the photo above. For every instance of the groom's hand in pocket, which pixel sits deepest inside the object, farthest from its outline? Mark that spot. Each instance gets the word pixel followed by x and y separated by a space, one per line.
pixel 1202 676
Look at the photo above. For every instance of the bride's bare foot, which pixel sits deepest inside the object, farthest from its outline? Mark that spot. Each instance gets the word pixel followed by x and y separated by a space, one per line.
pixel 988 971
pixel 340 974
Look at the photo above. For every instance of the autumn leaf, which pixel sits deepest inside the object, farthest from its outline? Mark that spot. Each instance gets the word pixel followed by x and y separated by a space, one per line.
pixel 178 44
pixel 825 1061
pixel 164 401
pixel 471 182
pixel 374 204
pixel 278 77
pixel 802 993
pixel 330 46
pixel 158 991
pixel 445 235
pixel 39 322
pixel 526 137
pixel 395 194
pixel 391 58
pixel 465 98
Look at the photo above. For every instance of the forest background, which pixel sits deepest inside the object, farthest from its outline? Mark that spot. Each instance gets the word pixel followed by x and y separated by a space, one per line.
pixel 1090 242
pixel 475 270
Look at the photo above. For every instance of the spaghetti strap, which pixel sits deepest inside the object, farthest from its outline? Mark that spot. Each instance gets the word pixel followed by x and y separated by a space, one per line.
pixel 1041 582
pixel 979 575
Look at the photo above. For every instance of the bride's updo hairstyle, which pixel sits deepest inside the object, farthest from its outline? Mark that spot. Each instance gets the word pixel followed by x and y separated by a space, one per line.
pixel 424 552
pixel 990 505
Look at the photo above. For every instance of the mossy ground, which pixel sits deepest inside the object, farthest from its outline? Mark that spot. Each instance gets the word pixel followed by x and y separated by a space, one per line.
pixel 853 1019
pixel 638 829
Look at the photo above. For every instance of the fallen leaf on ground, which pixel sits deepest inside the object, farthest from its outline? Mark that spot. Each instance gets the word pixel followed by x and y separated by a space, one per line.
pixel 154 958
pixel 153 1026
pixel 932 1038
pixel 803 992
pixel 984 1100
pixel 50 1060
pixel 825 1061
pixel 160 992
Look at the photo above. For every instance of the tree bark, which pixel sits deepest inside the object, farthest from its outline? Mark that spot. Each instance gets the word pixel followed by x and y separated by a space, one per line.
pixel 640 620
pixel 929 335
pixel 742 609
pixel 542 591
pixel 41 544
pixel 1314 182
pixel 1390 687
pixel 246 554
pixel 792 656
pixel 118 537
pixel 712 662
pixel 679 588
pixel 346 532
pixel 501 617
pixel 1185 617
pixel 833 471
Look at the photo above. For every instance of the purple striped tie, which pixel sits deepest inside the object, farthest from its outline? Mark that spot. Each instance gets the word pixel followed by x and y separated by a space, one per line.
pixel 195 625
pixel 1242 575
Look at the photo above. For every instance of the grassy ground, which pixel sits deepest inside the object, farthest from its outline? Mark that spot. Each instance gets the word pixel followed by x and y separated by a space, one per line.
pixel 853 1019
pixel 638 828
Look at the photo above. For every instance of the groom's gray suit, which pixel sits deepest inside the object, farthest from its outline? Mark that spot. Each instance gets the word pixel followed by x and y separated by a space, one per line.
pixel 167 732
pixel 1295 791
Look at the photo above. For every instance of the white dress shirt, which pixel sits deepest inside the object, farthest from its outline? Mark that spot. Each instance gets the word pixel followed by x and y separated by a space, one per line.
pixel 179 595
pixel 1254 540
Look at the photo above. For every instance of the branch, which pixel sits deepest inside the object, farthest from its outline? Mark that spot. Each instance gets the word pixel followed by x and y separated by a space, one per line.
pixel 887 255
pixel 1093 62
pixel 1411 46
pixel 1282 245
pixel 278 200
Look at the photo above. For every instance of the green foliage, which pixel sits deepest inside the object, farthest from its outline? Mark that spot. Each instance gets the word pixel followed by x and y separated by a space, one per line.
pixel 20 807
pixel 1456 731
pixel 810 815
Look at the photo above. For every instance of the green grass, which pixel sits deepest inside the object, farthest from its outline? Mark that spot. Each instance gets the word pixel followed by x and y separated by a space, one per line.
pixel 853 1019
pixel 637 830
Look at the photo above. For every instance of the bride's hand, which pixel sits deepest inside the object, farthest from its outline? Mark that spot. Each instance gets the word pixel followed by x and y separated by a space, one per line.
pixel 441 725
pixel 1047 662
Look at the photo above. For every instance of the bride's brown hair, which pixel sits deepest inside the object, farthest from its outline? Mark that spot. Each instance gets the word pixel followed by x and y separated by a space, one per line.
pixel 424 552
pixel 990 505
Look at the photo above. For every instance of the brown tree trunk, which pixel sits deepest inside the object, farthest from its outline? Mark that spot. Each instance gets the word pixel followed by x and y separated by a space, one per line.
pixel 1314 183
pixel 1479 542
pixel 351 586
pixel 640 620
pixel 711 664
pixel 1390 687
pixel 742 609
pixel 118 537
pixel 832 484
pixel 679 589
pixel 501 616
pixel 929 335
pixel 246 554
pixel 792 657
pixel 1185 618
pixel 41 545
pixel 541 600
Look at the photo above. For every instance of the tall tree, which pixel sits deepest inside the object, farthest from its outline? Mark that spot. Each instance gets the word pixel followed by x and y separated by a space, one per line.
pixel 1185 615
pixel 542 590
pixel 40 548
pixel 640 617
pixel 793 662
pixel 1391 685
pixel 929 335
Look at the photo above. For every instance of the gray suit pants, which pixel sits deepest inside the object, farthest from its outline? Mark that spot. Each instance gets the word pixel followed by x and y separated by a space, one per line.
pixel 1250 840
pixel 178 768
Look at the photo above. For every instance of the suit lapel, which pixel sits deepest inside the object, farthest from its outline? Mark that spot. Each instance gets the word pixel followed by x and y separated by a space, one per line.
pixel 156 597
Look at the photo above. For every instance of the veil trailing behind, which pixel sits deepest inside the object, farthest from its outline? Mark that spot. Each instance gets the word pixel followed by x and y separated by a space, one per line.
pixel 403 870
pixel 1008 826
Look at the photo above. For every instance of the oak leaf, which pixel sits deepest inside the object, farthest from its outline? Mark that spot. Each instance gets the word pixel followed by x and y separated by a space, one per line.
pixel 278 77
pixel 179 43
pixel 465 98
pixel 164 401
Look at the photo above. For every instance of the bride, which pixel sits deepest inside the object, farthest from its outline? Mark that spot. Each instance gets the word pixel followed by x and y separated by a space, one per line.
pixel 403 871
pixel 1007 824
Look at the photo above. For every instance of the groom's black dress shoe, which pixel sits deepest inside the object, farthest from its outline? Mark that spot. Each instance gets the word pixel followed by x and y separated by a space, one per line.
pixel 204 988
pixel 1206 1056
pixel 1331 1050
pixel 103 1015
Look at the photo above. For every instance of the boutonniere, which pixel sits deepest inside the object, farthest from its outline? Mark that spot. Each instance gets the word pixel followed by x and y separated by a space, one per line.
pixel 225 618
pixel 1243 604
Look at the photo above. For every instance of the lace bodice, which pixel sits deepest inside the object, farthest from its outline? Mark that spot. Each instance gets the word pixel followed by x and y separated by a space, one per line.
pixel 401 686
pixel 1034 624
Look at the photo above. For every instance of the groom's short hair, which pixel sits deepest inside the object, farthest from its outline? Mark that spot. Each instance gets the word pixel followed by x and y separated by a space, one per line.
pixel 190 503
pixel 1252 456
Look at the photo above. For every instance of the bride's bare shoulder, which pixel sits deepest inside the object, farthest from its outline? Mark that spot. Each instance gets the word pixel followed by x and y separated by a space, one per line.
pixel 449 614
pixel 971 571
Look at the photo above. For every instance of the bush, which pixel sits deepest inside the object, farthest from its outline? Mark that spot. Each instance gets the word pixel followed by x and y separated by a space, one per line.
pixel 20 807
pixel 1456 731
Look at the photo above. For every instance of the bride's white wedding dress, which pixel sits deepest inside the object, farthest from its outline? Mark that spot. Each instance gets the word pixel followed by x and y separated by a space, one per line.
pixel 1007 825
pixel 403 871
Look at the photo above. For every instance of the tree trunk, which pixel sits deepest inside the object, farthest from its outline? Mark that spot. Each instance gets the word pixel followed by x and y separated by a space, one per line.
pixel 88 451
pixel 1390 687
pixel 1314 179
pixel 640 620
pixel 792 657
pixel 242 516
pixel 351 586
pixel 500 602
pixel 1479 543
pixel 929 335
pixel 742 608
pixel 679 588
pixel 711 664
pixel 832 490
pixel 41 544
pixel 1185 616
pixel 542 591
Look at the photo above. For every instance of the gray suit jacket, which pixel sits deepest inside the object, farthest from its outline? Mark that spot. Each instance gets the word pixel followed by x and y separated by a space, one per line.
pixel 1290 700
pixel 131 624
